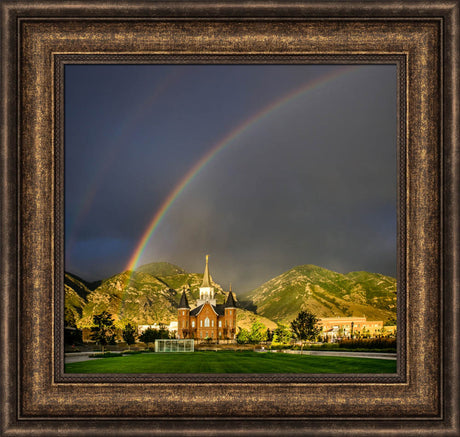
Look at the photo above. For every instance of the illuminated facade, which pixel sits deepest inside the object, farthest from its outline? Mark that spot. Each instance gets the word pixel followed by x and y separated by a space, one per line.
pixel 339 327
pixel 208 320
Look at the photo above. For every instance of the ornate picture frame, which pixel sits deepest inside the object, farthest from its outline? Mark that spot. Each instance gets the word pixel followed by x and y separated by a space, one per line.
pixel 38 38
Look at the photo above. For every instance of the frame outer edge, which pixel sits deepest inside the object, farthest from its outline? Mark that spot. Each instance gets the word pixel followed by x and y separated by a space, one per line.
pixel 231 8
pixel 451 222
pixel 9 192
pixel 451 213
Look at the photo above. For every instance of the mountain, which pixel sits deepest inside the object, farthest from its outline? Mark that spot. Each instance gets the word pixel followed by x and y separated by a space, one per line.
pixel 142 298
pixel 326 294
pixel 76 292
pixel 245 319
pixel 151 294
pixel 160 269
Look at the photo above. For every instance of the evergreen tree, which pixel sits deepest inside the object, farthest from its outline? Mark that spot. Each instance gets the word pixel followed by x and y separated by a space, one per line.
pixel 269 335
pixel 129 335
pixel 103 332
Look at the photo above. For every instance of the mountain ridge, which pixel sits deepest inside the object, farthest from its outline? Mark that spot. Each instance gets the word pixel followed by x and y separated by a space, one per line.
pixel 325 293
pixel 143 298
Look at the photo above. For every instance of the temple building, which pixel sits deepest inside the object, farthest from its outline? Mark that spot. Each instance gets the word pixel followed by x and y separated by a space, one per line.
pixel 209 320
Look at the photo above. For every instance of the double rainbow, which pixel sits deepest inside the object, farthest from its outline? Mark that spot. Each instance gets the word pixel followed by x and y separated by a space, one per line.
pixel 218 147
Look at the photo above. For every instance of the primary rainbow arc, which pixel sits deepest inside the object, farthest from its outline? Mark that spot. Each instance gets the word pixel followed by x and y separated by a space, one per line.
pixel 195 170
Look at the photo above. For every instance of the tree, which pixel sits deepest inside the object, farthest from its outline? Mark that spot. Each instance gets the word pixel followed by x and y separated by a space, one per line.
pixel 282 334
pixel 304 327
pixel 163 331
pixel 242 336
pixel 258 333
pixel 149 335
pixel 103 332
pixel 129 334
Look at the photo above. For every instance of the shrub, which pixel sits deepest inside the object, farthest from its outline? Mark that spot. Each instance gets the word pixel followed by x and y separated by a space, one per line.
pixel 369 343
pixel 105 355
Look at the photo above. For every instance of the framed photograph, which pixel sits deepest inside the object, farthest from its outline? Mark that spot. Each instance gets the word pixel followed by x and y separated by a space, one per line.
pixel 285 150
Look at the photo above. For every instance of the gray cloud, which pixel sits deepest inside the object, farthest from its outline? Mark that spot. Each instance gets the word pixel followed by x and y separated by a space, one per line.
pixel 312 183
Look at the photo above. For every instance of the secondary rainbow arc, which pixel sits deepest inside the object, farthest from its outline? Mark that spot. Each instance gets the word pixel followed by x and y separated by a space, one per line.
pixel 218 147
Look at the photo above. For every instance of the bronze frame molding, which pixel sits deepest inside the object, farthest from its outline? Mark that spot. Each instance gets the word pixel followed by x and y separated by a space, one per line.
pixel 61 60
pixel 39 37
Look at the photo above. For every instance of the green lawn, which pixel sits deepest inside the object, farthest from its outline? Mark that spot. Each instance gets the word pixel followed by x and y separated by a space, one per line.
pixel 231 362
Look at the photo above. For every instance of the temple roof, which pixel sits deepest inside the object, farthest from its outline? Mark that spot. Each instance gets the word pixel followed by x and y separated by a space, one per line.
pixel 219 309
pixel 183 301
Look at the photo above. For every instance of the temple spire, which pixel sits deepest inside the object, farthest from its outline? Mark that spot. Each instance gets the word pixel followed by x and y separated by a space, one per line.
pixel 230 301
pixel 206 278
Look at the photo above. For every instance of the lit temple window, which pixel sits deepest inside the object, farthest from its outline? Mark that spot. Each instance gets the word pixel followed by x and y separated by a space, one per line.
pixel 220 323
pixel 206 322
pixel 193 323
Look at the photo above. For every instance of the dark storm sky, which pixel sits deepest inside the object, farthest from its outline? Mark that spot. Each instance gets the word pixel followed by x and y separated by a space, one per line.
pixel 312 182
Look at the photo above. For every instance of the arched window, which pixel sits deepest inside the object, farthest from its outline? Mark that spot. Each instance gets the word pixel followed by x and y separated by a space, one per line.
pixel 220 323
pixel 212 323
pixel 201 323
pixel 206 322
pixel 193 323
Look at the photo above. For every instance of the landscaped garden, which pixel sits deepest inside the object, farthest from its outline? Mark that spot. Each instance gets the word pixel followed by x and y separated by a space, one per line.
pixel 231 362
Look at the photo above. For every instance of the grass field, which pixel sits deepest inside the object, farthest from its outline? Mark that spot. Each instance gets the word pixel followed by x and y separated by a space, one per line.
pixel 231 362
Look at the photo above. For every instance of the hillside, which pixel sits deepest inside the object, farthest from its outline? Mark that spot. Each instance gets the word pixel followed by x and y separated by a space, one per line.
pixel 76 293
pixel 326 294
pixel 143 299
pixel 245 319
pixel 160 269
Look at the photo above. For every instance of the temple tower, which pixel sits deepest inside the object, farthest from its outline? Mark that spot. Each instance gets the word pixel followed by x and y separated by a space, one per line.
pixel 183 316
pixel 206 289
pixel 230 315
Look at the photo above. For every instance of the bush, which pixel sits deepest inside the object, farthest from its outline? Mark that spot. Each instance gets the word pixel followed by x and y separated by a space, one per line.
pixel 369 343
pixel 105 355
pixel 129 352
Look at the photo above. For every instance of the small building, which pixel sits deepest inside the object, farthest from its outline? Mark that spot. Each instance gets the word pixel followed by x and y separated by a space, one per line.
pixel 344 327
pixel 209 320
pixel 169 345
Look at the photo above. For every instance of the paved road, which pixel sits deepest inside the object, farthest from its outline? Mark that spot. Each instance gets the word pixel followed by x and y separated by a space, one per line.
pixel 75 357
pixel 84 356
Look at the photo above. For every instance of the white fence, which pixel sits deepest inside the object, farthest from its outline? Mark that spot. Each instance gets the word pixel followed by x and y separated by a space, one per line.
pixel 186 345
